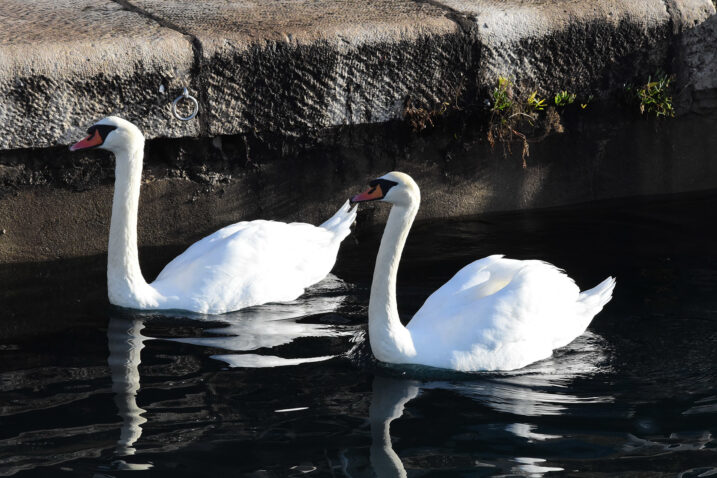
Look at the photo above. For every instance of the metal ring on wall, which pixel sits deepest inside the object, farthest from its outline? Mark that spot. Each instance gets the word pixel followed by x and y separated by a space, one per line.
pixel 185 96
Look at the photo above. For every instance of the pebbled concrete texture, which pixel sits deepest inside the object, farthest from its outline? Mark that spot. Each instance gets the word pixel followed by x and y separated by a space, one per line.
pixel 697 70
pixel 584 47
pixel 296 66
pixel 297 98
pixel 66 63
pixel 280 66
pixel 553 46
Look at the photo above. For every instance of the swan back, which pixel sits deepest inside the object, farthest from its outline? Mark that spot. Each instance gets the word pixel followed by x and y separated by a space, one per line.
pixel 499 314
pixel 249 263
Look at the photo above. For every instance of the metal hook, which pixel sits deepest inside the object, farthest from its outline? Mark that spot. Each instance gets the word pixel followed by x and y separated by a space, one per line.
pixel 185 96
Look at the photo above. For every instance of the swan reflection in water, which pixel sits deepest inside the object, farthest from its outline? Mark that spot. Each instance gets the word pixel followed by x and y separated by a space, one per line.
pixel 273 325
pixel 125 342
pixel 266 326
pixel 387 402
pixel 536 390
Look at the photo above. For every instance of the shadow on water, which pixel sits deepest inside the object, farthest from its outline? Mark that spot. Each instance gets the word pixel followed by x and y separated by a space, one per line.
pixel 291 389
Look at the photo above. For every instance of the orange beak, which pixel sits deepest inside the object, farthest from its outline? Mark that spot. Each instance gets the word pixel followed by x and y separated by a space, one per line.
pixel 89 142
pixel 371 194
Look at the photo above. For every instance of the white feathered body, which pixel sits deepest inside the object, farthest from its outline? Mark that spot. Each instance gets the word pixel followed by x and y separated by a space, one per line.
pixel 250 263
pixel 503 314
pixel 245 264
pixel 494 314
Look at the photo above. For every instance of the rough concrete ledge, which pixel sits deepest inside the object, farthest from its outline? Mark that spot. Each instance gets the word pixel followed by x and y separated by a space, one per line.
pixel 66 63
pixel 583 47
pixel 295 66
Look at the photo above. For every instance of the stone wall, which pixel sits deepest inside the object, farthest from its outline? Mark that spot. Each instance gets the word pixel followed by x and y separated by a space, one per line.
pixel 295 67
pixel 302 102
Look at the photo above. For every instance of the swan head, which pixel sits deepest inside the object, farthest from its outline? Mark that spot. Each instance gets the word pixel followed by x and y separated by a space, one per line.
pixel 111 133
pixel 395 188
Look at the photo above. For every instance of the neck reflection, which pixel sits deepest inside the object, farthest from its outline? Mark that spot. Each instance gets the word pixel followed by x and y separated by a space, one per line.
pixel 125 345
pixel 389 397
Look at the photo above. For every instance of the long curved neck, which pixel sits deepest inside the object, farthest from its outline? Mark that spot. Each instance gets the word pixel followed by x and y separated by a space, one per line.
pixel 124 277
pixel 390 340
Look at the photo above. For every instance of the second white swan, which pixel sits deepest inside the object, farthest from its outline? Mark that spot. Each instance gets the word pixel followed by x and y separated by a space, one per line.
pixel 244 264
pixel 494 314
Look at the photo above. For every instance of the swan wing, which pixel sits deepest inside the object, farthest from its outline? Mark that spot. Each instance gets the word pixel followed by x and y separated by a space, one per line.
pixel 247 264
pixel 469 283
pixel 499 314
pixel 339 225
pixel 199 248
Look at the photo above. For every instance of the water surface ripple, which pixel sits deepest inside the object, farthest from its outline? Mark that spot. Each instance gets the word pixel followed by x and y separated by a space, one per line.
pixel 87 389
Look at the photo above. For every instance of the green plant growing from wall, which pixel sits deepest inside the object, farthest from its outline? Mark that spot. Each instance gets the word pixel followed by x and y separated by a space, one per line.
pixel 563 99
pixel 502 96
pixel 585 104
pixel 525 119
pixel 535 103
pixel 655 97
pixel 504 118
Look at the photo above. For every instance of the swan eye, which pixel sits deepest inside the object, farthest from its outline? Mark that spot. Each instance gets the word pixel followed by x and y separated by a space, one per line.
pixel 104 130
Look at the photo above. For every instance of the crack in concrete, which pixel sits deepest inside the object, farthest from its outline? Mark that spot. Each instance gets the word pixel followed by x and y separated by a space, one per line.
pixel 671 8
pixel 197 50
pixel 461 19
pixel 473 50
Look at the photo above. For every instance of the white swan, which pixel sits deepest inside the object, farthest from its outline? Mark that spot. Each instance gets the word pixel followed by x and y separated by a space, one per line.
pixel 244 264
pixel 494 314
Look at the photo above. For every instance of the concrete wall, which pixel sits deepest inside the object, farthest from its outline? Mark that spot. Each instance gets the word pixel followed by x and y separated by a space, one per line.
pixel 301 103
pixel 66 212
pixel 292 67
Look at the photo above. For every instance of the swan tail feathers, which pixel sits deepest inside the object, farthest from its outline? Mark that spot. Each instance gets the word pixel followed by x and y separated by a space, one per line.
pixel 340 222
pixel 595 299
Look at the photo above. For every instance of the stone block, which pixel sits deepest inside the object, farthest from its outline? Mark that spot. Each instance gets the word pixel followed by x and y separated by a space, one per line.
pixel 291 67
pixel 64 64
pixel 583 47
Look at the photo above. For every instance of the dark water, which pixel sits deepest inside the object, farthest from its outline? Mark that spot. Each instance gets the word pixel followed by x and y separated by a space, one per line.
pixel 291 390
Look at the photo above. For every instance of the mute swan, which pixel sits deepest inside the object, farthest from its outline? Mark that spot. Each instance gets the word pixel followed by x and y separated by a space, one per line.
pixel 244 264
pixel 494 314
